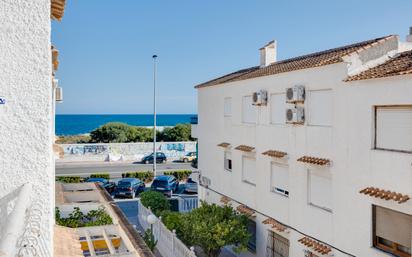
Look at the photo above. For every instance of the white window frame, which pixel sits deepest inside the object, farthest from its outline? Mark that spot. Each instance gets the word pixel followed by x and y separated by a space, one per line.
pixel 271 110
pixel 243 111
pixel 310 111
pixel 278 190
pixel 226 112
pixel 323 172
pixel 375 128
pixel 243 170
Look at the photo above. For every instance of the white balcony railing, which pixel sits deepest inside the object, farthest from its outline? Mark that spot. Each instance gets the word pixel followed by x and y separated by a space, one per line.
pixel 22 225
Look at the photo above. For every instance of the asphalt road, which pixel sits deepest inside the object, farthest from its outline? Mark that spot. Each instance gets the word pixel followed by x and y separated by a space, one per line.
pixel 115 169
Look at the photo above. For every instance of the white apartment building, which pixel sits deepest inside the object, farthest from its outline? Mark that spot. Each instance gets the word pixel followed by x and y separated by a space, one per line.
pixel 316 150
pixel 27 107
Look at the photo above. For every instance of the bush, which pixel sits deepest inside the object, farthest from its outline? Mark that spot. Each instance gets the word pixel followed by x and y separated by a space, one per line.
pixel 78 219
pixel 145 176
pixel 179 174
pixel 180 132
pixel 101 175
pixel 78 139
pixel 157 202
pixel 69 179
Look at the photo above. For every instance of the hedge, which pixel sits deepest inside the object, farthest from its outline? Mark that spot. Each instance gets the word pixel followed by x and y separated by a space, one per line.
pixel 69 179
pixel 179 174
pixel 101 175
pixel 145 176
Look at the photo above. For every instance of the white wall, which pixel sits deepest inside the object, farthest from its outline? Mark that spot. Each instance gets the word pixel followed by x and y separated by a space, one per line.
pixel 26 119
pixel 345 137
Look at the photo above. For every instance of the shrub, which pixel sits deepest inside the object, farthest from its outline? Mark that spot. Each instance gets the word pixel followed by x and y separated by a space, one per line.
pixel 101 175
pixel 179 174
pixel 157 202
pixel 78 219
pixel 69 179
pixel 78 139
pixel 180 132
pixel 145 176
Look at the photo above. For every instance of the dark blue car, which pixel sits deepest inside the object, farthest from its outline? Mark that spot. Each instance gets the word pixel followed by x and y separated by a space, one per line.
pixel 166 184
pixel 129 187
pixel 109 186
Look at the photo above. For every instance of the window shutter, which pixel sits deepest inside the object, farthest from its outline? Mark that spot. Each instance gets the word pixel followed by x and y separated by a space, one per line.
pixel 248 110
pixel 249 169
pixel 278 108
pixel 320 188
pixel 320 107
pixel 394 128
pixel 227 106
pixel 280 176
pixel 394 226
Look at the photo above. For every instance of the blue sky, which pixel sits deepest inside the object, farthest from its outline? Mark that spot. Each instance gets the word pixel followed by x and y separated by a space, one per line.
pixel 106 45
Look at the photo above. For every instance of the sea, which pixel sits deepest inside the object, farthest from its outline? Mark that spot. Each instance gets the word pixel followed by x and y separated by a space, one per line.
pixel 77 124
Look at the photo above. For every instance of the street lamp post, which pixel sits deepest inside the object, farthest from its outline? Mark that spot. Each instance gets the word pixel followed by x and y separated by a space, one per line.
pixel 154 115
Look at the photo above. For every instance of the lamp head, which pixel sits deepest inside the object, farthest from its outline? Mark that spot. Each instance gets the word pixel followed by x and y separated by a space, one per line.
pixel 151 219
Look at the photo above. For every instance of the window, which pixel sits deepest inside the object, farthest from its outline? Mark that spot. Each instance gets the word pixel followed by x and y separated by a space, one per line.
pixel 320 107
pixel 279 178
pixel 228 161
pixel 249 170
pixel 320 189
pixel 251 228
pixel 392 231
pixel 277 246
pixel 278 108
pixel 393 128
pixel 227 107
pixel 248 110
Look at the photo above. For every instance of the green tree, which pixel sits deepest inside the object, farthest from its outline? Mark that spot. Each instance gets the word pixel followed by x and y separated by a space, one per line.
pixel 180 132
pixel 157 202
pixel 211 227
pixel 112 132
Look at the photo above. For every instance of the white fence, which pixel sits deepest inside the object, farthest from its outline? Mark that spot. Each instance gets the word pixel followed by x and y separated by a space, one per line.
pixel 22 224
pixel 168 244
pixel 187 204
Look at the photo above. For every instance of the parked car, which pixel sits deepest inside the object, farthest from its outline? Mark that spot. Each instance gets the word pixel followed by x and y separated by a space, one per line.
pixel 129 187
pixel 191 186
pixel 109 186
pixel 160 157
pixel 188 157
pixel 166 184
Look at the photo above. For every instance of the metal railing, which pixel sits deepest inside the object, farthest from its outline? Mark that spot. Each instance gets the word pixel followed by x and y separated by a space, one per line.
pixel 22 226
pixel 186 204
pixel 168 244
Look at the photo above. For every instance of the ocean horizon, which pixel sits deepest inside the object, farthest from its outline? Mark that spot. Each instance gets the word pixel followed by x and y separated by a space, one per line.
pixel 77 124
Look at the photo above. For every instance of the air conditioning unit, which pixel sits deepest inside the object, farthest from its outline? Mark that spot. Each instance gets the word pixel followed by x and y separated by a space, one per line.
pixel 260 98
pixel 295 94
pixel 295 115
pixel 59 94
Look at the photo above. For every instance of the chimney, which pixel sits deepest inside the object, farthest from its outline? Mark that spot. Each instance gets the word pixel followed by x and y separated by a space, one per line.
pixel 409 37
pixel 268 54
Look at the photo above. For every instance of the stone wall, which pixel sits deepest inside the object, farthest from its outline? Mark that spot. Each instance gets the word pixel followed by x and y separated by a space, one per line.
pixel 124 151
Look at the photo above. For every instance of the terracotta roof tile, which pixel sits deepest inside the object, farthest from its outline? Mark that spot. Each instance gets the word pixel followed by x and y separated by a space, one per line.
pixel 245 148
pixel 224 144
pixel 245 210
pixel 57 9
pixel 314 160
pixel 275 153
pixel 399 65
pixel 318 59
pixel 385 194
pixel 315 245
pixel 225 199
pixel 275 225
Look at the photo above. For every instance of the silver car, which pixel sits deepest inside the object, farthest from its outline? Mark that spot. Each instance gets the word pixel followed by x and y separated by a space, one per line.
pixel 190 186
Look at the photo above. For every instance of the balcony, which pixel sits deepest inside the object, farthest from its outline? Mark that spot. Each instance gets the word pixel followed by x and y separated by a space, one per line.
pixel 22 225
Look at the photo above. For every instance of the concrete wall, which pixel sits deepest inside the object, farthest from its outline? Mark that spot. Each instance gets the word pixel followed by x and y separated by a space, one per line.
pixel 348 143
pixel 26 120
pixel 129 151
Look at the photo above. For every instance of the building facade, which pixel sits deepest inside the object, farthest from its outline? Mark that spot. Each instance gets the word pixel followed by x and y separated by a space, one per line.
pixel 316 150
pixel 27 101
